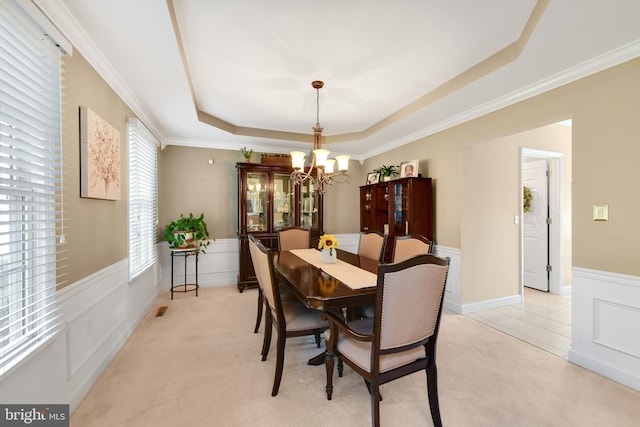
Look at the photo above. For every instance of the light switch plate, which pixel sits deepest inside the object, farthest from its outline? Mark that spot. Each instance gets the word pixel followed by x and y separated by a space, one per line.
pixel 601 212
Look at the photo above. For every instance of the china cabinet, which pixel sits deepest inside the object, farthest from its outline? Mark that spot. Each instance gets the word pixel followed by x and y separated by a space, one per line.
pixel 268 201
pixel 396 208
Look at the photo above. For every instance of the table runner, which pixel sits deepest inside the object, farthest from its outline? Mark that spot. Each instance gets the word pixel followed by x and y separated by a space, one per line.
pixel 350 275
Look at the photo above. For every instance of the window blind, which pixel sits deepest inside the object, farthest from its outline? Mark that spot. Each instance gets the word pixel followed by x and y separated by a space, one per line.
pixel 143 197
pixel 30 184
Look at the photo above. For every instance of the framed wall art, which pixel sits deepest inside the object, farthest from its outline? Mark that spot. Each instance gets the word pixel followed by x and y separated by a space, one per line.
pixel 373 178
pixel 99 157
pixel 408 169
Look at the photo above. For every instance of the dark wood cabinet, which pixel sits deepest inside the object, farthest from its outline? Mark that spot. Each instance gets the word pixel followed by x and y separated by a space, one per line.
pixel 397 208
pixel 268 201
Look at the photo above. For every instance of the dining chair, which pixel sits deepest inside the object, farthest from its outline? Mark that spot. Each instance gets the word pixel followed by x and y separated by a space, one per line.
pixel 288 238
pixel 401 338
pixel 293 238
pixel 405 247
pixel 290 317
pixel 372 245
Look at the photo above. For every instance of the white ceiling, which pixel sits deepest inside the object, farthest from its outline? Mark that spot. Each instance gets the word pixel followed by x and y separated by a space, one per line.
pixel 393 72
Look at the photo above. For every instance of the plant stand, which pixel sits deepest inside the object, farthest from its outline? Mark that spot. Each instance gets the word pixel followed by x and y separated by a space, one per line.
pixel 184 287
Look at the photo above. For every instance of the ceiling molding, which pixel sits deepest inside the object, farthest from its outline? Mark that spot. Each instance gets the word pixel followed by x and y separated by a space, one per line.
pixel 57 12
pixel 587 68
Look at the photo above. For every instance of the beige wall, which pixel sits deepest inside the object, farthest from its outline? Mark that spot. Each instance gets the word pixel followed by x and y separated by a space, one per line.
pixel 213 190
pixel 606 131
pixel 604 152
pixel 188 184
pixel 95 230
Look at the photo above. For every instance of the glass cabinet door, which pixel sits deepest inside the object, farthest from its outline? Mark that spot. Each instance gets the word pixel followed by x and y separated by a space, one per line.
pixel 309 207
pixel 283 202
pixel 256 212
pixel 400 209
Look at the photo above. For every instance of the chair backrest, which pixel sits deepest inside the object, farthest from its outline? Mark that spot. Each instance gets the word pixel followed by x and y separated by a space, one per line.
pixel 409 303
pixel 372 245
pixel 408 246
pixel 263 266
pixel 293 238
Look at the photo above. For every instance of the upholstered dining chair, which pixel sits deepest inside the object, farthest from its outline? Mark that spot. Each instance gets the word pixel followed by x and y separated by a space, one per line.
pixel 401 338
pixel 288 238
pixel 290 317
pixel 372 245
pixel 293 238
pixel 405 247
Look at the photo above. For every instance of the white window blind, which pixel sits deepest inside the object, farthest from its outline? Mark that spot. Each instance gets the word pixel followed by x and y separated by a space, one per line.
pixel 30 184
pixel 143 197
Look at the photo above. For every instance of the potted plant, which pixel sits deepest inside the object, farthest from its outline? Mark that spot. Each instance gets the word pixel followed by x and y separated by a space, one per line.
pixel 247 153
pixel 187 232
pixel 387 172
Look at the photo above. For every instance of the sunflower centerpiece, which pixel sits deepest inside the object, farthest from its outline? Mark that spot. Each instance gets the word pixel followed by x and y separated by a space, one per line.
pixel 327 243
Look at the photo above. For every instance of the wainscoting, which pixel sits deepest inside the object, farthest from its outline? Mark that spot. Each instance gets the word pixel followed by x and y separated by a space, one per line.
pixel 100 312
pixel 605 319
pixel 219 266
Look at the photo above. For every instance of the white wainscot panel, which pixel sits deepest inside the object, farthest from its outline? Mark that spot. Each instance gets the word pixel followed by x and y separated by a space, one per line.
pixel 609 317
pixel 605 312
pixel 217 267
pixel 452 294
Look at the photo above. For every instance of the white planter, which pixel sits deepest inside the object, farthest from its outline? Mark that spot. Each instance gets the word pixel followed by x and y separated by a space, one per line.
pixel 329 256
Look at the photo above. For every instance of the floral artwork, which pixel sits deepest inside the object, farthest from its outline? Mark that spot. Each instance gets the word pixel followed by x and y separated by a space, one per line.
pixel 99 157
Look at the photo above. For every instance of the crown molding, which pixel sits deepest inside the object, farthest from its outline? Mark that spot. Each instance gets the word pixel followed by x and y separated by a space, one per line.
pixel 57 13
pixel 610 59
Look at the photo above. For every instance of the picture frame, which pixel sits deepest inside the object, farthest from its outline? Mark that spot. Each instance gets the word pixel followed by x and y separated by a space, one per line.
pixel 409 169
pixel 99 157
pixel 373 178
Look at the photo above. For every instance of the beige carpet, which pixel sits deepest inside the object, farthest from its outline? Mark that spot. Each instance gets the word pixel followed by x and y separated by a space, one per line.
pixel 199 365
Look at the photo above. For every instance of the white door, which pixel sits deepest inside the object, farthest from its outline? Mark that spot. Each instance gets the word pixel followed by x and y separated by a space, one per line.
pixel 535 226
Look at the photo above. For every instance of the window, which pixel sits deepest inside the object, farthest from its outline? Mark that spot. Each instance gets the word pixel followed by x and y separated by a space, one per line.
pixel 30 184
pixel 143 197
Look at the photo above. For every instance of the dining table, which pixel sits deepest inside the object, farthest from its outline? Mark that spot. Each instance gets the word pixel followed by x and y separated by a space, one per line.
pixel 346 284
pixel 349 282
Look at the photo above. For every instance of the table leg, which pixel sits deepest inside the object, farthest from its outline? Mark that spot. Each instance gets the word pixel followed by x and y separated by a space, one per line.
pixel 317 360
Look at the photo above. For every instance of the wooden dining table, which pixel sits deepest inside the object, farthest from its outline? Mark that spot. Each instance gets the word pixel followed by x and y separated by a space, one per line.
pixel 318 289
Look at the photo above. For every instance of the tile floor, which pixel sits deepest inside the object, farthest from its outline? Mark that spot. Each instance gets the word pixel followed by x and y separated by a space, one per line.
pixel 542 320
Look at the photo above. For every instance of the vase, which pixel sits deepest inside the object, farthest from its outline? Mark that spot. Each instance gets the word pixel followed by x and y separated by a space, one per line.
pixel 329 256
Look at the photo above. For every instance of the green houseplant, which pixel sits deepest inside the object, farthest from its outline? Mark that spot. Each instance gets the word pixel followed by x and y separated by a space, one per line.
pixel 187 232
pixel 387 172
pixel 247 153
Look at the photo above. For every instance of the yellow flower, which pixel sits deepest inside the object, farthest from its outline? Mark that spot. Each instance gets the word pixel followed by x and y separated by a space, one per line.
pixel 328 241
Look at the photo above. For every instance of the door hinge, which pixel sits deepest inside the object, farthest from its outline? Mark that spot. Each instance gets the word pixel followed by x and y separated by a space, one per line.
pixel 549 268
pixel 548 221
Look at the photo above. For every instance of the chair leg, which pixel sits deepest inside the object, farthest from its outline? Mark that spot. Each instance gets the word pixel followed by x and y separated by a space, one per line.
pixel 340 368
pixel 432 389
pixel 368 384
pixel 375 404
pixel 279 363
pixel 266 343
pixel 259 318
pixel 317 334
pixel 328 362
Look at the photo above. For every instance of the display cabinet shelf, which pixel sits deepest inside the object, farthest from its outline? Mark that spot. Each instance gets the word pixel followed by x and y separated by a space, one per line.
pixel 268 201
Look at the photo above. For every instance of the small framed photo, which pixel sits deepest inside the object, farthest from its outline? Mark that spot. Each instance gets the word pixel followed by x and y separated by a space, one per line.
pixel 373 178
pixel 408 169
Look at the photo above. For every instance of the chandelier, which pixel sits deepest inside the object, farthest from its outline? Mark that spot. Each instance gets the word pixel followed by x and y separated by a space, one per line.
pixel 323 165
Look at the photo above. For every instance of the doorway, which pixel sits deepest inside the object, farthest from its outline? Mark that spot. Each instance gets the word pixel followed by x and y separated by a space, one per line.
pixel 542 263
